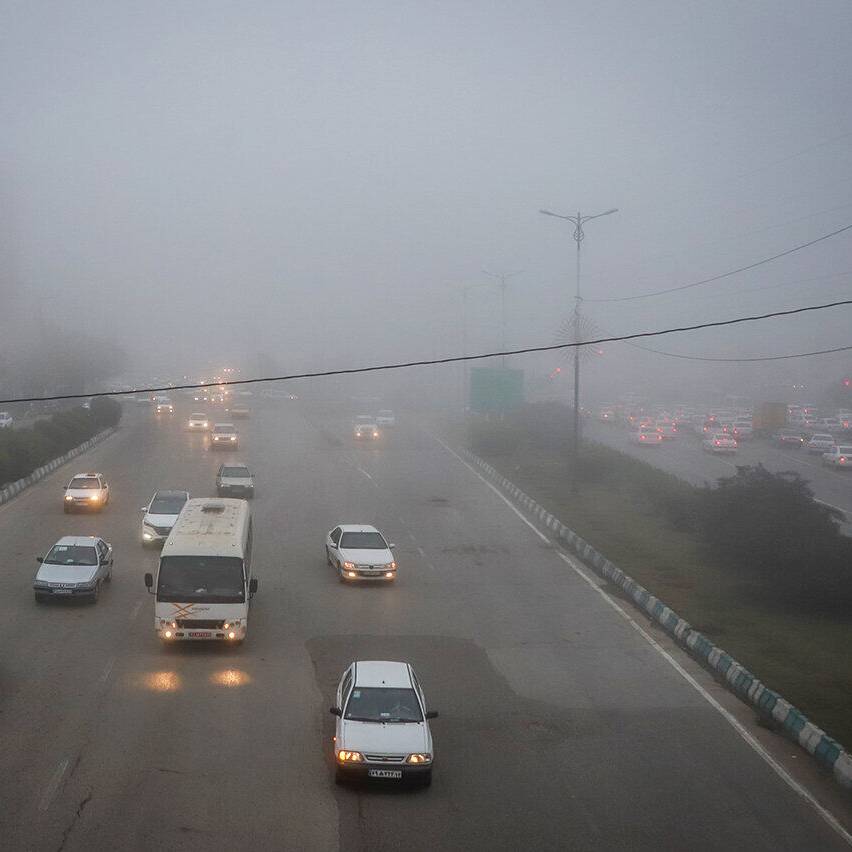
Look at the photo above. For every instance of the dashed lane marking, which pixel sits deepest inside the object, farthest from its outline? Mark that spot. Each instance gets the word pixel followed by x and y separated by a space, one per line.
pixel 107 670
pixel 135 611
pixel 53 786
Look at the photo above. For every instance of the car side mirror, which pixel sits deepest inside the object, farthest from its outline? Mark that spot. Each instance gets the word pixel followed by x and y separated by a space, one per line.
pixel 431 714
pixel 149 581
pixel 39 559
pixel 144 509
pixel 335 711
pixel 392 546
pixel 253 585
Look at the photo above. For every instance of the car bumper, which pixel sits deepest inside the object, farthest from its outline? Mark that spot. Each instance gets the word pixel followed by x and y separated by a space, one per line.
pixel 61 594
pixel 361 771
pixel 225 445
pixel 84 505
pixel 372 577
pixel 187 634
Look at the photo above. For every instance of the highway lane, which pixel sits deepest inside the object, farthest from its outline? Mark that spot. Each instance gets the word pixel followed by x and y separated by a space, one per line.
pixel 560 727
pixel 685 458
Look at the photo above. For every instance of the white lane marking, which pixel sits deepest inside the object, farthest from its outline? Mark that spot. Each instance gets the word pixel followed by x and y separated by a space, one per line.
pixel 135 611
pixel 107 670
pixel 494 488
pixel 779 770
pixel 726 714
pixel 421 551
pixel 53 786
pixel 365 473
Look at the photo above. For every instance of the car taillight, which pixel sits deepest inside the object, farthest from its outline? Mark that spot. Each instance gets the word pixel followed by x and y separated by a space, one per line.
pixel 842 460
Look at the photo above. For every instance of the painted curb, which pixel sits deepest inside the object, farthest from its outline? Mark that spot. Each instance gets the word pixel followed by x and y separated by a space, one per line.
pixel 827 752
pixel 13 489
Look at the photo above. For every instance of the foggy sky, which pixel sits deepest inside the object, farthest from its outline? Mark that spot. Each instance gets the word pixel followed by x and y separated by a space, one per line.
pixel 206 181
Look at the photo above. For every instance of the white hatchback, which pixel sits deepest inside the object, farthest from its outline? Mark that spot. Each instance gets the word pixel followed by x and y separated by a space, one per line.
pixel 382 726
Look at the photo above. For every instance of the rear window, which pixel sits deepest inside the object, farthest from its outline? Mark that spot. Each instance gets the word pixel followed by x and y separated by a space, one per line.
pixel 237 472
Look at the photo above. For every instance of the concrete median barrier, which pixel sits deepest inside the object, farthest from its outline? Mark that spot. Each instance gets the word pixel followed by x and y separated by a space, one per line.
pixel 770 705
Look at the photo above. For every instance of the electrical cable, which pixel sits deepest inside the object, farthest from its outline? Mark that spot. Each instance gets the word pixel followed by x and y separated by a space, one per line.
pixel 455 359
pixel 724 274
pixel 740 360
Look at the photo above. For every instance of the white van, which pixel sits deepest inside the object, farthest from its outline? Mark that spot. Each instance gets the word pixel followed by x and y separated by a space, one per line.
pixel 204 583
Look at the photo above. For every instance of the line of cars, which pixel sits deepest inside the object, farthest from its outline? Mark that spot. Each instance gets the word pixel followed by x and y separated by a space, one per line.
pixel 382 730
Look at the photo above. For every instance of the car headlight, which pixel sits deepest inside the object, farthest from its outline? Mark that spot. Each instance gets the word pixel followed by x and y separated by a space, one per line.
pixel 147 536
pixel 95 497
pixel 350 756
pixel 420 757
pixel 68 497
pixel 233 437
pixel 349 565
pixel 86 586
pixel 204 424
pixel 41 584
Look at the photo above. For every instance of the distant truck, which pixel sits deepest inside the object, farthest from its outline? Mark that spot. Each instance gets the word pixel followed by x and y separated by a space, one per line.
pixel 769 417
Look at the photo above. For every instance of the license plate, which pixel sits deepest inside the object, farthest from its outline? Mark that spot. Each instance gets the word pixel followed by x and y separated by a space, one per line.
pixel 62 591
pixel 384 773
pixel 199 634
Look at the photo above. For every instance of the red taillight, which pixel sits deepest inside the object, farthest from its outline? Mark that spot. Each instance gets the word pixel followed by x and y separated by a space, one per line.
pixel 843 460
pixel 717 443
pixel 641 437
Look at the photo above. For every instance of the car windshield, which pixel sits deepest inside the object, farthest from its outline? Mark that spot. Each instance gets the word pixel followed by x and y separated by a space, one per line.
pixel 236 472
pixel 223 428
pixel 383 704
pixel 363 541
pixel 84 482
pixel 385 413
pixel 170 504
pixel 364 421
pixel 845 451
pixel 72 554
pixel 208 579
pixel 197 416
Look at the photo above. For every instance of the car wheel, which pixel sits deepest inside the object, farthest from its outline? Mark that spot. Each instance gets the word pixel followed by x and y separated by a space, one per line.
pixel 109 576
pixel 327 556
pixel 96 593
pixel 66 509
pixel 339 778
pixel 426 779
pixel 340 574
pixel 40 599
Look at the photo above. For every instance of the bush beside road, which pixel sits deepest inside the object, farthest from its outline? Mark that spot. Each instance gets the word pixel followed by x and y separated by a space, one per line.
pixel 755 563
pixel 24 450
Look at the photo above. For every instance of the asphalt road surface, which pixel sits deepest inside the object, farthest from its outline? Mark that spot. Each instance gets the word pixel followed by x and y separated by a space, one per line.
pixel 685 458
pixel 560 726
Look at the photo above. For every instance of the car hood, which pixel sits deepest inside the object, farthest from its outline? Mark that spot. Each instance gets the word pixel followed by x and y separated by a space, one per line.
pixel 385 738
pixel 82 492
pixel 243 481
pixel 366 557
pixel 65 573
pixel 159 520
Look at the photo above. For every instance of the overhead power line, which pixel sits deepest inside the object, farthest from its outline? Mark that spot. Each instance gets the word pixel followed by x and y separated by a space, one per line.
pixel 725 274
pixel 741 360
pixel 455 359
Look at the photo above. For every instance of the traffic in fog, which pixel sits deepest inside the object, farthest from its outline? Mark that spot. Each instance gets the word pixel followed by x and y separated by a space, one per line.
pixel 425 426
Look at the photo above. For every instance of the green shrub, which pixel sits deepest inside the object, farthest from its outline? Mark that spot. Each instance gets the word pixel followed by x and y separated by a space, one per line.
pixel 24 450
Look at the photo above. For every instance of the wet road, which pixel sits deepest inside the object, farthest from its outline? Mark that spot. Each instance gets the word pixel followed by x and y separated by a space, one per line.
pixel 560 726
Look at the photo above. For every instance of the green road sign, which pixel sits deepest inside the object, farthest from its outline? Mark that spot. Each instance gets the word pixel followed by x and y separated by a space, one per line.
pixel 496 389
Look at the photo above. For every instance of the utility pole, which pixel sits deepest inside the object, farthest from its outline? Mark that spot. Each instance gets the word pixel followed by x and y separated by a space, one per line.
pixel 577 221
pixel 466 365
pixel 502 277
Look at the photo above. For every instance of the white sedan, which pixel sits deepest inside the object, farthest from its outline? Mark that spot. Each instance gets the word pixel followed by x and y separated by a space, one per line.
pixel 360 552
pixel 820 443
pixel 382 726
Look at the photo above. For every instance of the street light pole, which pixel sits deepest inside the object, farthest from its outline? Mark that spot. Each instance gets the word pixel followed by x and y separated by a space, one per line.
pixel 578 221
pixel 502 277
pixel 466 365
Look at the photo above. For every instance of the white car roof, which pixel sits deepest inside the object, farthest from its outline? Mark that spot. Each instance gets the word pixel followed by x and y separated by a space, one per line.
pixel 358 528
pixel 196 414
pixel 380 673
pixel 85 475
pixel 78 540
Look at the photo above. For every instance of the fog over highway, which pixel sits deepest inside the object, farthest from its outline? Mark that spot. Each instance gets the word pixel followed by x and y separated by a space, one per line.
pixel 560 725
